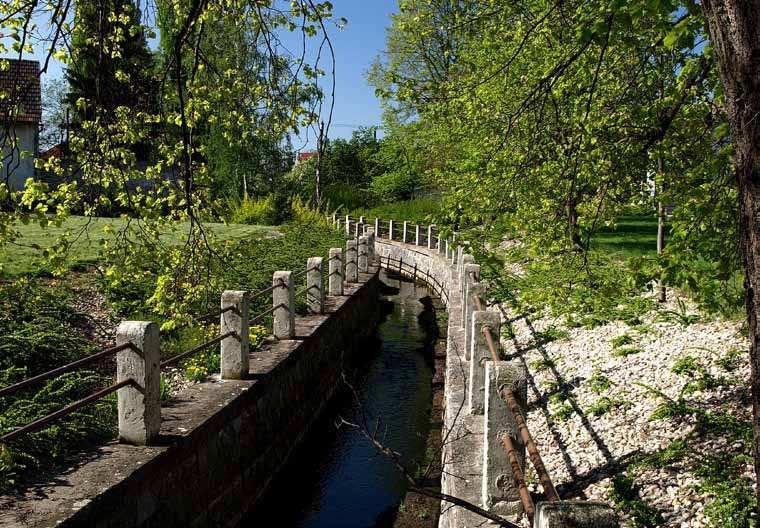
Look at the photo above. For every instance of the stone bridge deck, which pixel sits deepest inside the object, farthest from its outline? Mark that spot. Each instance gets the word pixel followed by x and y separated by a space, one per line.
pixel 221 441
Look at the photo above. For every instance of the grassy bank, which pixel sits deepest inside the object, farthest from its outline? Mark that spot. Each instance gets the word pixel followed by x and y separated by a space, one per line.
pixel 420 210
pixel 87 234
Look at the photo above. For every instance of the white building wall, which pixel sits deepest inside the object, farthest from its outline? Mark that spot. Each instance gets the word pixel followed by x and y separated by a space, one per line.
pixel 19 163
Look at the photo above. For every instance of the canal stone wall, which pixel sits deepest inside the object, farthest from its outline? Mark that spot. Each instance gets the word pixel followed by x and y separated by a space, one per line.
pixel 220 442
pixel 462 453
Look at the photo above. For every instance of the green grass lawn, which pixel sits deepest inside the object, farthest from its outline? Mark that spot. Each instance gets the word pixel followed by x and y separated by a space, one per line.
pixel 24 256
pixel 631 236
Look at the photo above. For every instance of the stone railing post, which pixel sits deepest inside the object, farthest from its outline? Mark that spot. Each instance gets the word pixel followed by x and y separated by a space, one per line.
pixel 499 492
pixel 390 229
pixel 463 277
pixel 404 232
pixel 283 302
pixel 481 355
pixel 417 235
pixel 359 229
pixel 315 293
pixel 234 349
pixel 575 514
pixel 468 301
pixel 361 219
pixel 335 279
pixel 377 227
pixel 348 225
pixel 139 405
pixel 363 255
pixel 352 258
pixel 460 254
pixel 371 245
pixel 430 236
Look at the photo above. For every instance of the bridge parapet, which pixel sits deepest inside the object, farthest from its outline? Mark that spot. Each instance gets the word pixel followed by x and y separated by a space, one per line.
pixel 489 442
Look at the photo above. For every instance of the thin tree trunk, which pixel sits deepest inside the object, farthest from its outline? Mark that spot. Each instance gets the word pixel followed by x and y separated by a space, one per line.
pixel 661 225
pixel 734 29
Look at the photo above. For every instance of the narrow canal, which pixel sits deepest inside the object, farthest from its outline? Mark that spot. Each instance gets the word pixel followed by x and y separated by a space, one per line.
pixel 339 479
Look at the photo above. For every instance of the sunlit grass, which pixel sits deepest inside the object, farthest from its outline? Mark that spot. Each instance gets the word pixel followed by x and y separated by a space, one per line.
pixel 25 256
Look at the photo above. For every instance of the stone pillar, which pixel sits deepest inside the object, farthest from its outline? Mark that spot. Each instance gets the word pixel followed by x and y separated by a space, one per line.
pixel 460 254
pixel 283 302
pixel 430 236
pixel 363 255
pixel 417 235
pixel 377 227
pixel 139 405
pixel 337 223
pixel 371 245
pixel 335 279
pixel 234 349
pixel 575 514
pixel 480 355
pixel 463 276
pixel 348 225
pixel 390 229
pixel 315 293
pixel 352 258
pixel 405 231
pixel 499 493
pixel 467 299
pixel 361 219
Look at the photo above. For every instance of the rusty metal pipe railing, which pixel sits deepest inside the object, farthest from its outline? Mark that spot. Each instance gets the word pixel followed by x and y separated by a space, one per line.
pixel 50 418
pixel 518 476
pixel 63 369
pixel 538 464
pixel 535 457
pixel 196 349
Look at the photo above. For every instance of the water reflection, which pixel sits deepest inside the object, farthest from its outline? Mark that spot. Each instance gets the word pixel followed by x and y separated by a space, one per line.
pixel 339 479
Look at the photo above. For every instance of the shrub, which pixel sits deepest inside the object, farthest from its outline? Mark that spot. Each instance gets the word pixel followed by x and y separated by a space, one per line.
pixel 261 211
pixel 395 186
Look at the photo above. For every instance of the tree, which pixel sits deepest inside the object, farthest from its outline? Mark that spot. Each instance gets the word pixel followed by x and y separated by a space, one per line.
pixel 734 29
pixel 111 65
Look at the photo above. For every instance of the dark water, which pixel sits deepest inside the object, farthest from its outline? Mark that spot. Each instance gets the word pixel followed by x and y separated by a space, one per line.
pixel 338 479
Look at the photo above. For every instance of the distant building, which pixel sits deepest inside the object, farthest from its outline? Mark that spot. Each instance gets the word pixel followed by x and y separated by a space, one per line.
pixel 305 156
pixel 20 116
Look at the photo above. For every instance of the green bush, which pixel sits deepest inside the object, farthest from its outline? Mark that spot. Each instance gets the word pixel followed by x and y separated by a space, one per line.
pixel 419 210
pixel 395 186
pixel 258 211
pixel 40 331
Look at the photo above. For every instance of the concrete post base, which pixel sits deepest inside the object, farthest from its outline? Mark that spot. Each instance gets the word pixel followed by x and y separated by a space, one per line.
pixel 575 514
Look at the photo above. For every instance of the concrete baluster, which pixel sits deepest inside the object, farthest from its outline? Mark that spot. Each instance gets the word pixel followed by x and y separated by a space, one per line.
pixel 377 227
pixel 363 255
pixel 390 229
pixel 361 219
pixel 575 514
pixel 417 235
pixel 371 245
pixel 499 492
pixel 139 405
pixel 335 279
pixel 480 355
pixel 348 225
pixel 352 257
pixel 468 300
pixel 283 302
pixel 405 231
pixel 466 259
pixel 315 293
pixel 234 349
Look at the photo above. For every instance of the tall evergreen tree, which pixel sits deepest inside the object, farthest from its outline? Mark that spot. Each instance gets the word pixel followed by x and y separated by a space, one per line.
pixel 111 64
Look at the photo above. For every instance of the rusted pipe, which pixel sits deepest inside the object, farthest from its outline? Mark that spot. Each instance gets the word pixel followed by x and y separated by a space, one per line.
pixel 518 476
pixel 546 482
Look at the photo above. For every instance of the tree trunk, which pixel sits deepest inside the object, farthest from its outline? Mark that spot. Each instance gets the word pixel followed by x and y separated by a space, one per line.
pixel 734 29
pixel 663 295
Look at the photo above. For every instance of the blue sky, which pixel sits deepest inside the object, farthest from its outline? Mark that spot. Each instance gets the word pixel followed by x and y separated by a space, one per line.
pixel 356 46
